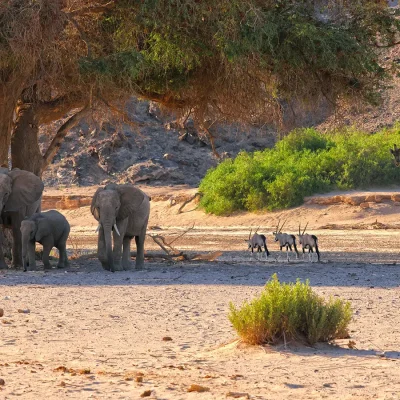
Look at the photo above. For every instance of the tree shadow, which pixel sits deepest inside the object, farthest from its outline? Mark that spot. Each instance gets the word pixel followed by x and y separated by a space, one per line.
pixel 231 269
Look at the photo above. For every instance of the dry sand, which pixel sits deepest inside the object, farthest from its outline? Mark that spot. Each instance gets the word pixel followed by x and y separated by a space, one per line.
pixel 104 330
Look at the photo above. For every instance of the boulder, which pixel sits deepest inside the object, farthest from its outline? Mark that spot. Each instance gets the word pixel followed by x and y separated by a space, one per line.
pixel 382 197
pixel 354 200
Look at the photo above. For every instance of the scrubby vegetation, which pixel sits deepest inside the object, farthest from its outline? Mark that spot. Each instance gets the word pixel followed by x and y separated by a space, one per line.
pixel 304 163
pixel 290 311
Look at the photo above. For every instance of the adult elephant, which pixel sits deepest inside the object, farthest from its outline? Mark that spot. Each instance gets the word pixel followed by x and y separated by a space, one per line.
pixel 20 197
pixel 123 211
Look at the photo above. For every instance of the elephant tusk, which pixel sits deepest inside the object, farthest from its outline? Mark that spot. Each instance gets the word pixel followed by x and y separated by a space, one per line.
pixel 98 228
pixel 116 229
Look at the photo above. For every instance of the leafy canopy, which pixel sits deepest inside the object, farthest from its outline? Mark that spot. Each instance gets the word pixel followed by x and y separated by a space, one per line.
pixel 237 59
pixel 246 59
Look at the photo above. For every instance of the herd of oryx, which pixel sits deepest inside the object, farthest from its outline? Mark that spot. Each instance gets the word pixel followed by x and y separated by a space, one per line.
pixel 286 240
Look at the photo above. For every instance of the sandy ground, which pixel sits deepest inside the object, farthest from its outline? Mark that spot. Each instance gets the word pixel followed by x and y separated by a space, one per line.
pixel 90 333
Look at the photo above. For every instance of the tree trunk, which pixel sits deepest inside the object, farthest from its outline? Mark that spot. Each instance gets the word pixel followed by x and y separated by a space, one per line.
pixel 25 151
pixel 6 119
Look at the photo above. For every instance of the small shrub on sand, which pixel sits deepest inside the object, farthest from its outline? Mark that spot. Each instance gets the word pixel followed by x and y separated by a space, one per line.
pixel 290 311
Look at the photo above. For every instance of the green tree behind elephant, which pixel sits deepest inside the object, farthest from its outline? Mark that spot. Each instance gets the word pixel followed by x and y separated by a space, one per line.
pixel 123 212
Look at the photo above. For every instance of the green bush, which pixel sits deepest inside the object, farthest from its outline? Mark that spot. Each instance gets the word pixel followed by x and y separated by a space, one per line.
pixel 290 311
pixel 302 164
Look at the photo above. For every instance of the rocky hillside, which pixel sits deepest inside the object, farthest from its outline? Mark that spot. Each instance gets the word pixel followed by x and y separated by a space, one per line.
pixel 159 151
pixel 154 150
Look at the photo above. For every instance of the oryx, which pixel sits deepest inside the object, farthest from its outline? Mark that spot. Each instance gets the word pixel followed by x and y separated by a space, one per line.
pixel 308 241
pixel 285 240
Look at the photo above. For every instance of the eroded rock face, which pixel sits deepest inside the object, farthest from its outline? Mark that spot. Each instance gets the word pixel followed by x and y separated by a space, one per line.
pixel 159 150
pixel 362 201
pixel 66 202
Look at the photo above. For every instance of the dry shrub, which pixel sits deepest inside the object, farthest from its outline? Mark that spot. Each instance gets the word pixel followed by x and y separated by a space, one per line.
pixel 290 311
pixel 77 250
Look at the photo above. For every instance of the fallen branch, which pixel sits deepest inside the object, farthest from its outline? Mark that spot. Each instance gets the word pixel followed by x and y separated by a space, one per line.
pixel 182 234
pixel 198 194
pixel 176 255
pixel 160 240
pixel 207 257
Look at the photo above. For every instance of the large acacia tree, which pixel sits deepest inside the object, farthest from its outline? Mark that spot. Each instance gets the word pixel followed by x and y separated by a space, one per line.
pixel 229 59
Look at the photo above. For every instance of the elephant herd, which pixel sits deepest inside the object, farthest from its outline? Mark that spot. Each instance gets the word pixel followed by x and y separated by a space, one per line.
pixel 122 212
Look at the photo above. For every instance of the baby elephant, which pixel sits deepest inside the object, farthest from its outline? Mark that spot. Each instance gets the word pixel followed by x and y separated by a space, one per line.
pixel 51 229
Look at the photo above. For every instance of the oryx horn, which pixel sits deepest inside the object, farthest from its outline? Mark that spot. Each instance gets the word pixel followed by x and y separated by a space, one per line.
pixel 280 229
pixel 277 227
pixel 305 228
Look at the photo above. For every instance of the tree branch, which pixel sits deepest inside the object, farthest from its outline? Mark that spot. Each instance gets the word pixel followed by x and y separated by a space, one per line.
pixel 82 35
pixel 212 141
pixel 60 135
pixel 188 201
pixel 122 113
pixel 49 111
pixel 99 8
pixel 384 46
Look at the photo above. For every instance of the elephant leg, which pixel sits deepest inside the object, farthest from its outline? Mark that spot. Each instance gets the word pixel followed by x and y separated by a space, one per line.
pixel 126 255
pixel 31 256
pixel 17 242
pixel 140 251
pixel 101 249
pixel 3 264
pixel 62 250
pixel 46 252
pixel 62 256
pixel 65 260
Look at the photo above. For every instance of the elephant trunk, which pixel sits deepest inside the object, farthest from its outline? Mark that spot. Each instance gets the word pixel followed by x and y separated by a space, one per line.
pixel 107 237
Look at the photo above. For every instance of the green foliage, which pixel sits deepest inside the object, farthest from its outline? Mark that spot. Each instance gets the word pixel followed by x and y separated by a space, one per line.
pixel 290 311
pixel 230 59
pixel 208 54
pixel 302 164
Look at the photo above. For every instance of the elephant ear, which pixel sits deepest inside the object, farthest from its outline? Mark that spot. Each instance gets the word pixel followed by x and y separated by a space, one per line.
pixel 93 208
pixel 131 199
pixel 43 229
pixel 26 189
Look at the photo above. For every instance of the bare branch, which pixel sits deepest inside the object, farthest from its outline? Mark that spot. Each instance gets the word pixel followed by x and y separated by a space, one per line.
pixel 83 36
pixel 61 133
pixel 49 111
pixel 198 194
pixel 123 114
pixel 211 138
pixel 97 9
pixel 182 234
pixel 160 240
pixel 384 46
